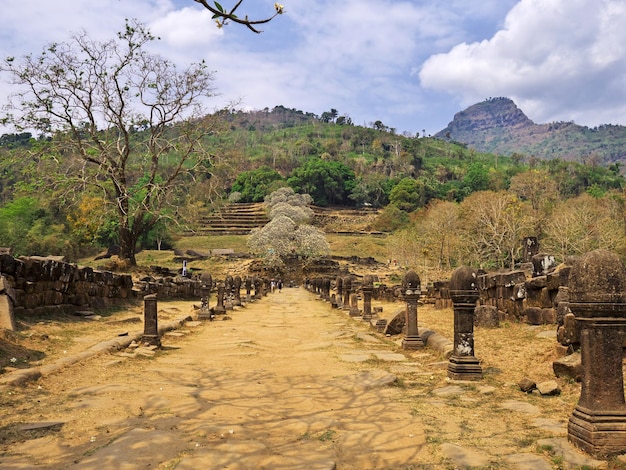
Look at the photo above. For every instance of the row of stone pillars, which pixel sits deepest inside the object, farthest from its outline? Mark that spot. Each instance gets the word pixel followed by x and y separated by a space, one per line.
pixel 229 287
pixel 463 365
pixel 597 298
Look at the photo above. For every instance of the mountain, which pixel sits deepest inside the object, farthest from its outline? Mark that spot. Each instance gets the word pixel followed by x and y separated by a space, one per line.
pixel 497 125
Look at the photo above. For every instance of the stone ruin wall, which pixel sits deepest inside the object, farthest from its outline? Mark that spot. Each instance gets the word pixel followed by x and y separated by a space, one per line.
pixel 36 286
pixel 521 296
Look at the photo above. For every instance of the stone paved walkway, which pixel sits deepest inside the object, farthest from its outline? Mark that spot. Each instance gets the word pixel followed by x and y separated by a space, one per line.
pixel 276 387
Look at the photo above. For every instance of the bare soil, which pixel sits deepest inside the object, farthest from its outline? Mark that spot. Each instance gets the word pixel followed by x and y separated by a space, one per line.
pixel 287 382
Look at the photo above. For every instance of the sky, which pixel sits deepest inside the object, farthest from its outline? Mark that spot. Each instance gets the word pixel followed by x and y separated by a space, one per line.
pixel 411 64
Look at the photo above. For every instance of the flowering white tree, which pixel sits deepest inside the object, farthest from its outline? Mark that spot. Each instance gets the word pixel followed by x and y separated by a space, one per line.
pixel 289 196
pixel 299 215
pixel 286 233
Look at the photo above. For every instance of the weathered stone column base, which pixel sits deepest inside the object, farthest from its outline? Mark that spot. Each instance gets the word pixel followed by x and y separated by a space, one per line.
pixel 412 342
pixel 220 309
pixel 367 317
pixel 151 340
pixel 599 433
pixel 464 368
pixel 204 314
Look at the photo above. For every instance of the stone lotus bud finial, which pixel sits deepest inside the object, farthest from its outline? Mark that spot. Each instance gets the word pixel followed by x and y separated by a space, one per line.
pixel 464 285
pixel 206 279
pixel 598 277
pixel 368 280
pixel 411 283
pixel 464 278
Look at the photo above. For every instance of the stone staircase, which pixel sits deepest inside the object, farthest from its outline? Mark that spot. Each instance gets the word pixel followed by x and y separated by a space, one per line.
pixel 232 219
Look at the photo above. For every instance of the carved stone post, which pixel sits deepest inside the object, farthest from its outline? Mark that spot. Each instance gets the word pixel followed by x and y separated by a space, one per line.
pixel 248 284
pixel 221 289
pixel 354 305
pixel 347 288
pixel 339 288
pixel 207 282
pixel 237 291
pixel 326 287
pixel 228 292
pixel 367 288
pixel 258 288
pixel 597 290
pixel 411 290
pixel 464 294
pixel 151 326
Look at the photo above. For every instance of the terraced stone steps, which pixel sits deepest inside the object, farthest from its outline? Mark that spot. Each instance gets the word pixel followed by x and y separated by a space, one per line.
pixel 232 219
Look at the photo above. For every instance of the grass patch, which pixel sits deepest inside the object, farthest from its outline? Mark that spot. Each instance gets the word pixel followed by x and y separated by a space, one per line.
pixel 327 435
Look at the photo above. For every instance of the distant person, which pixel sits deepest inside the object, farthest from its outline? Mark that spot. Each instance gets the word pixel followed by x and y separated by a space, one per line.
pixel 280 285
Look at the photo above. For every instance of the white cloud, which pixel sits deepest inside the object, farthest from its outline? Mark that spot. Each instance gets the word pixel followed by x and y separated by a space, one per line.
pixel 187 28
pixel 558 59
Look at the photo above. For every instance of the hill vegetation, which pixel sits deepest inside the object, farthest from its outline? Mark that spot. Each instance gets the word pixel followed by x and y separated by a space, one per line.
pixel 442 202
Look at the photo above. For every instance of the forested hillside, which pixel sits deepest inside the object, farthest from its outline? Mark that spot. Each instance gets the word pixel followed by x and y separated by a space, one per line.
pixel 423 186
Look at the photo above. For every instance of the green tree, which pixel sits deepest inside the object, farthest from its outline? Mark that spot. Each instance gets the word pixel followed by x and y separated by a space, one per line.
pixel 254 185
pixel 28 228
pixel 406 195
pixel 328 182
pixel 477 177
pixel 109 108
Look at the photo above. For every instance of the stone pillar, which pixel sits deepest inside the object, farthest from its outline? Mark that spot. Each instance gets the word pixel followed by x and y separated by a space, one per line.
pixel 7 315
pixel 150 322
pixel 354 305
pixel 339 288
pixel 597 290
pixel 326 289
pixel 411 290
pixel 237 290
pixel 464 294
pixel 207 283
pixel 248 284
pixel 347 288
pixel 221 289
pixel 258 288
pixel 367 288
pixel 228 292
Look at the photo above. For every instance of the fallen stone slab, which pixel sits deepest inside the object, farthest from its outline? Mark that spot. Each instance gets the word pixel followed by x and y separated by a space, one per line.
pixel 138 448
pixel 451 390
pixel 463 457
pixel 561 447
pixel 527 462
pixel 42 425
pixel 521 407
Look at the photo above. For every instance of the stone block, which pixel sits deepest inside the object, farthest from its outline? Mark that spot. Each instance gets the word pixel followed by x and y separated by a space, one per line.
pixel 569 367
pixel 570 330
pixel 533 315
pixel 549 316
pixel 486 316
pixel 538 282
pixel 549 387
pixel 553 280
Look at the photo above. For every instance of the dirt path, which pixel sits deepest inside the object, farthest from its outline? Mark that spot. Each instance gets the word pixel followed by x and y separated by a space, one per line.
pixel 288 383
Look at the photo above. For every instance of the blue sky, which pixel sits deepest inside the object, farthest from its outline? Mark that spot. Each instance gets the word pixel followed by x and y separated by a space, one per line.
pixel 410 64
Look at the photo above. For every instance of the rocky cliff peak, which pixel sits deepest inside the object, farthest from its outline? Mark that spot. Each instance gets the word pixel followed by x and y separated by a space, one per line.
pixel 492 113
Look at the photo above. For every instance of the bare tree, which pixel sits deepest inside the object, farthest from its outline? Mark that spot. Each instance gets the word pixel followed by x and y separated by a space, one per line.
pixel 494 224
pixel 110 109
